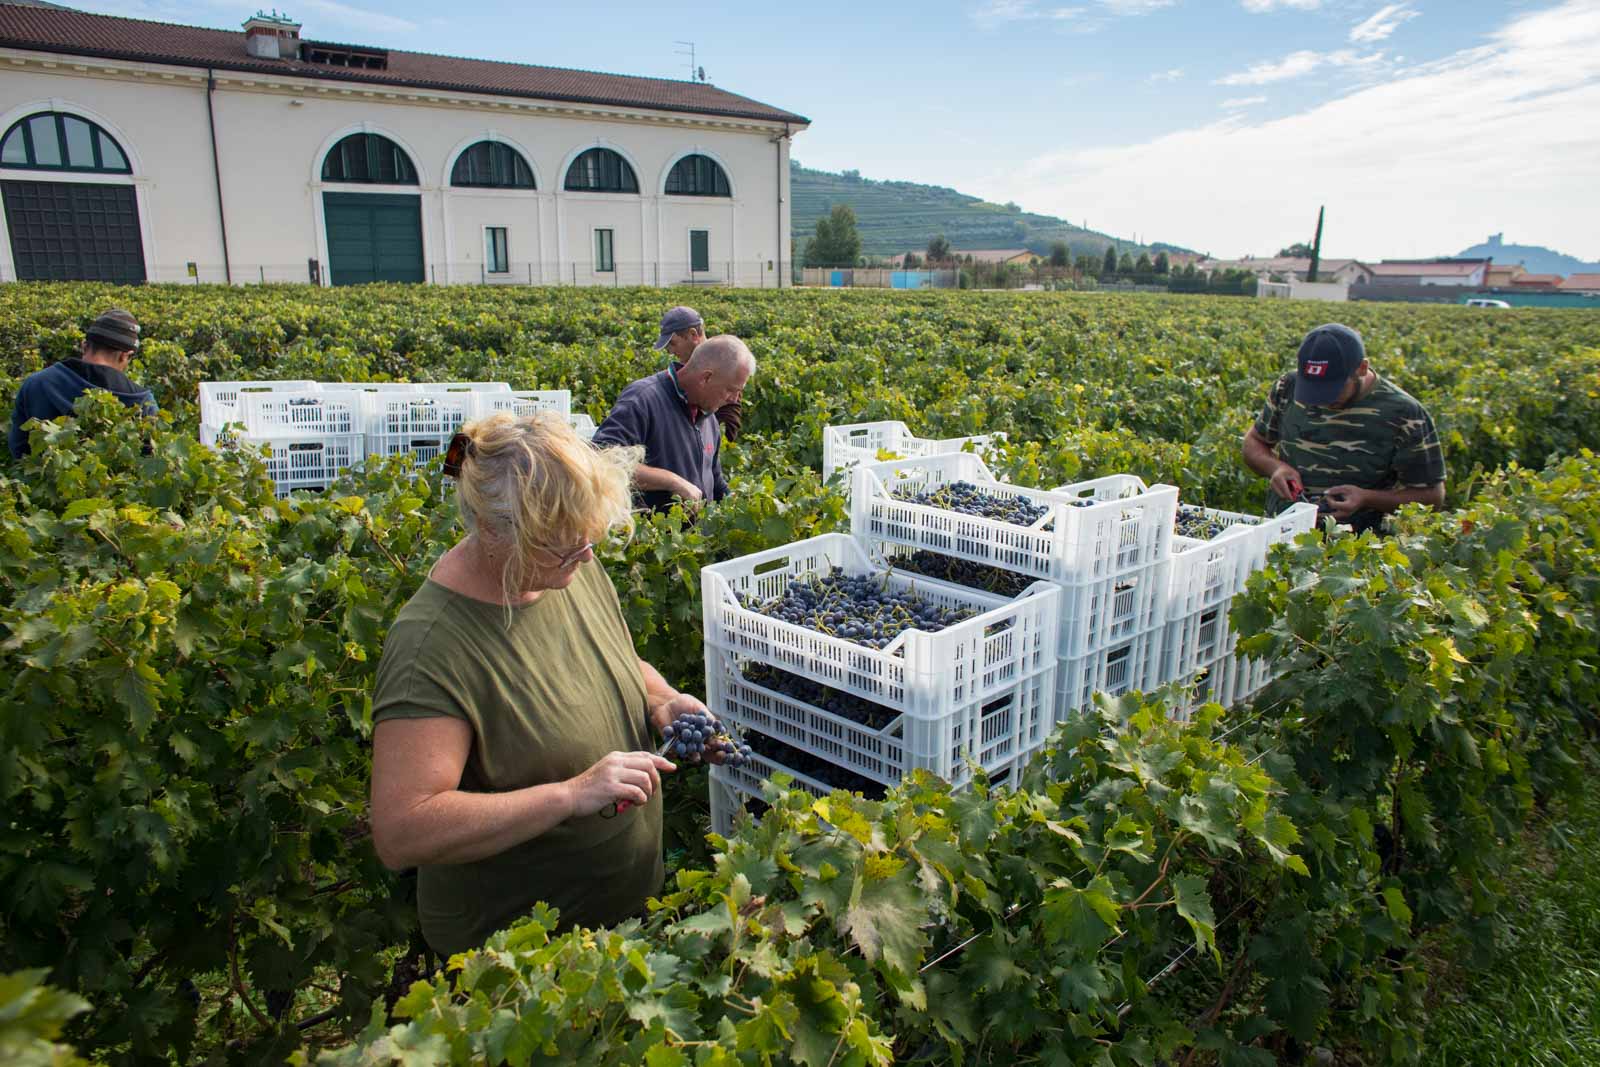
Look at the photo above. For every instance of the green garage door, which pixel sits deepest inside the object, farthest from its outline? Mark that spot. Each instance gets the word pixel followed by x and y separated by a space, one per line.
pixel 74 231
pixel 373 237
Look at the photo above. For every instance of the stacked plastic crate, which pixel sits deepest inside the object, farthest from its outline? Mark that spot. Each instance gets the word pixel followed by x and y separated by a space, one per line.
pixel 834 712
pixel 312 431
pixel 1105 542
pixel 871 442
pixel 1213 554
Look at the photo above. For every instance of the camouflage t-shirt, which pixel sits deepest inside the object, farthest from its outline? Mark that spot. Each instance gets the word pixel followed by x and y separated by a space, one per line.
pixel 1385 440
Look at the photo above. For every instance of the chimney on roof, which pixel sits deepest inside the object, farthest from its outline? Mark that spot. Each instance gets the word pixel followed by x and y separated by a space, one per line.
pixel 272 36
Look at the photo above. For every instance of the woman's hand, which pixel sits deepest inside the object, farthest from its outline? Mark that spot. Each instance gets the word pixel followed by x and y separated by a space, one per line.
pixel 620 778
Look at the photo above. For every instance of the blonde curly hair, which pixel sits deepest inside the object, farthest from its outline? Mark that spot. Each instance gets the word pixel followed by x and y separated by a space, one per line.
pixel 531 482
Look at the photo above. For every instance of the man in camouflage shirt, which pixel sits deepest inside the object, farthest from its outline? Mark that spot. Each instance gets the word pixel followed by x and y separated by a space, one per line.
pixel 1336 433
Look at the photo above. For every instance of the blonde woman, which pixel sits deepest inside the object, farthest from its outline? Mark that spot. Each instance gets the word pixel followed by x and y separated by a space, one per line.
pixel 513 754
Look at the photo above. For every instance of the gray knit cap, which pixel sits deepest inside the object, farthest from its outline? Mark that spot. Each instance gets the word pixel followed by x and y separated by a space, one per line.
pixel 115 328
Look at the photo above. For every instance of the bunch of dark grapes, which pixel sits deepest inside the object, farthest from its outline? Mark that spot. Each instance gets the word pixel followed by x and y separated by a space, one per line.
pixel 1194 522
pixel 696 736
pixel 967 498
pixel 789 758
pixel 845 705
pixel 860 609
pixel 964 572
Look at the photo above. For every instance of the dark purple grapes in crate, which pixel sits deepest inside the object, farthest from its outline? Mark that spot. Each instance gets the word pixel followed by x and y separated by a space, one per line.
pixel 862 608
pixel 968 499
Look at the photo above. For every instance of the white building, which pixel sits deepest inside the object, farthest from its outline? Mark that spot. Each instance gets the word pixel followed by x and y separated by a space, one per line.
pixel 134 150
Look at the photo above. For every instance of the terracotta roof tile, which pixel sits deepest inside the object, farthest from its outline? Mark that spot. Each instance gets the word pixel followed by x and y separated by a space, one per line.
pixel 80 33
pixel 1582 281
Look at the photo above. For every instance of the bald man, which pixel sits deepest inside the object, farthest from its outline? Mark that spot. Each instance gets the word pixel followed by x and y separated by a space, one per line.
pixel 672 414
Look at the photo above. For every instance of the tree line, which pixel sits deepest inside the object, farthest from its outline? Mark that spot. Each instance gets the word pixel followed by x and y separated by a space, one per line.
pixel 836 243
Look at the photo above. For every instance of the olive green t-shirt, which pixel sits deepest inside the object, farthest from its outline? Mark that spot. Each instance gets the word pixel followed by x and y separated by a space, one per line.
pixel 546 697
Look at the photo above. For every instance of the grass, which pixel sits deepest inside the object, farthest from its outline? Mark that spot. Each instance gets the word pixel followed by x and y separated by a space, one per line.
pixel 1536 1000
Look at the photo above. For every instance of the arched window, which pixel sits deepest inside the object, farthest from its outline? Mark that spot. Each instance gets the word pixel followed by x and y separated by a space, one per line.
pixel 52 140
pixel 492 165
pixel 600 170
pixel 369 158
pixel 697 176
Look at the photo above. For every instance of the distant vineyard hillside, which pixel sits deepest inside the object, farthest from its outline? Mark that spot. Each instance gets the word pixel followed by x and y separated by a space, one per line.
pixel 896 217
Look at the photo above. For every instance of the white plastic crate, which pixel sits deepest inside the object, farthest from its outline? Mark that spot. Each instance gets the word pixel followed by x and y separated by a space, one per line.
pixel 1120 668
pixel 219 401
pixel 421 423
pixel 931 678
pixel 299 413
pixel 1195 639
pixel 306 462
pixel 464 387
pixel 1097 614
pixel 583 425
pixel 1093 614
pixel 1087 533
pixel 1204 574
pixel 871 442
pixel 1282 528
pixel 992 732
pixel 521 402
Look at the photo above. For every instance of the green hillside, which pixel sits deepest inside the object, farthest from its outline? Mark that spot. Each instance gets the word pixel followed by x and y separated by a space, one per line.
pixel 896 217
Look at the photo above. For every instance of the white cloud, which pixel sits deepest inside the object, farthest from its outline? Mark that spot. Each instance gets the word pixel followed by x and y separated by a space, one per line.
pixel 1263 6
pixel 999 12
pixel 1298 64
pixel 1495 137
pixel 996 12
pixel 1236 102
pixel 1382 23
pixel 1135 7
pixel 1167 75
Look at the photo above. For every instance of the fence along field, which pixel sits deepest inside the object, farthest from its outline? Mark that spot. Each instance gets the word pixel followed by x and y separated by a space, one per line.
pixel 184 764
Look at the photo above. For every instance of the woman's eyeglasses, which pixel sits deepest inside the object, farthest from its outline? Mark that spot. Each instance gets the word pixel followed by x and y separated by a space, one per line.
pixel 567 559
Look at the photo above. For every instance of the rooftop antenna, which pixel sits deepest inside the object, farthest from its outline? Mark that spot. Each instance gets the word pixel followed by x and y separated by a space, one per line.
pixel 690 53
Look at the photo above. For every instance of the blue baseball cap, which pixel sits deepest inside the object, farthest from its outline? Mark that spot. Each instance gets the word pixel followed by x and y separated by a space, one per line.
pixel 677 320
pixel 1328 356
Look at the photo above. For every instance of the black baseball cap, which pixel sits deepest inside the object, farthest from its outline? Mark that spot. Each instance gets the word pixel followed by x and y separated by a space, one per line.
pixel 1328 356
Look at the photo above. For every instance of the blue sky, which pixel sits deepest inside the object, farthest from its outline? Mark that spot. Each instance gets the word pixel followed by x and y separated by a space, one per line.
pixel 1424 125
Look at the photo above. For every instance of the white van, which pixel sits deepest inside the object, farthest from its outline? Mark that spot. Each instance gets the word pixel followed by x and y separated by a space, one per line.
pixel 1485 302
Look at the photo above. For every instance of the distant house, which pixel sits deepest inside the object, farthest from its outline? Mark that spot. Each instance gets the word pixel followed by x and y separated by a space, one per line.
pixel 1350 271
pixel 1582 283
pixel 1449 272
pixel 1020 256
pixel 1501 275
pixel 1545 282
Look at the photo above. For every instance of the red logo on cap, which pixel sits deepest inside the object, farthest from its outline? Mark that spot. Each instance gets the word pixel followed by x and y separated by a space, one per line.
pixel 1316 370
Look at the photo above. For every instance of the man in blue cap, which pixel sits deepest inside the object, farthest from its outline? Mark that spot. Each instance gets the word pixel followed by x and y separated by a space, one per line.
pixel 1335 432
pixel 682 329
pixel 101 363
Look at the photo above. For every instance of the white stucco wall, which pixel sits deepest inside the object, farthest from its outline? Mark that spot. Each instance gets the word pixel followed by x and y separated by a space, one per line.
pixel 271 138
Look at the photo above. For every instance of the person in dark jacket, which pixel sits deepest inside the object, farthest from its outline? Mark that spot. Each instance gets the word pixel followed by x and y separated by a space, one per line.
pixel 682 330
pixel 101 363
pixel 670 415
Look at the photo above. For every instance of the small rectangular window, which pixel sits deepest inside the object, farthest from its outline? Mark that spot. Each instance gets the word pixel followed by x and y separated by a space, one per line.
pixel 699 250
pixel 495 258
pixel 604 263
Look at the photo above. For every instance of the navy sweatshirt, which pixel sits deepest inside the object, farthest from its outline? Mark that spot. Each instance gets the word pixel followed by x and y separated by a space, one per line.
pixel 650 412
pixel 50 393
